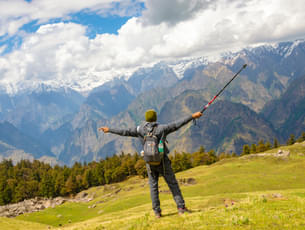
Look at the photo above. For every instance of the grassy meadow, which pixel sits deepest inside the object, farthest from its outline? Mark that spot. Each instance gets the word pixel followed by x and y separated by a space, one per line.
pixel 250 192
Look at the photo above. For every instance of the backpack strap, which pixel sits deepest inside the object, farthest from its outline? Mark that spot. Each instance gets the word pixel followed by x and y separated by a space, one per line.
pixel 149 130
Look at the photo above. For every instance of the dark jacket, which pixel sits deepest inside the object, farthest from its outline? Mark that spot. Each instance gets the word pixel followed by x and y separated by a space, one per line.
pixel 161 130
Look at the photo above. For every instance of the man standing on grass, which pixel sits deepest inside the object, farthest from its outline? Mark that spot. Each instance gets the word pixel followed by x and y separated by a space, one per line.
pixel 164 167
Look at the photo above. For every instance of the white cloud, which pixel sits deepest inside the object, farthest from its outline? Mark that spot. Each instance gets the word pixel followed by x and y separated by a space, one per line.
pixel 16 13
pixel 172 11
pixel 2 48
pixel 62 53
pixel 43 54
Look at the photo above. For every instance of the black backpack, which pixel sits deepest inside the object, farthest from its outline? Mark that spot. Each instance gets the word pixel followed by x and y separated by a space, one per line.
pixel 153 147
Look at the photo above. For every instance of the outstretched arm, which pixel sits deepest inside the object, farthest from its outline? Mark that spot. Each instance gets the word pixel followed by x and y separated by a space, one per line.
pixel 177 125
pixel 121 132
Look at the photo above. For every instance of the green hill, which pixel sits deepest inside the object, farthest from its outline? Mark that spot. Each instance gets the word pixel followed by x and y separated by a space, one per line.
pixel 249 192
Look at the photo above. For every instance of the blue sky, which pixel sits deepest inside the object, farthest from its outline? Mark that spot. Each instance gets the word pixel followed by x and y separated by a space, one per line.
pixel 82 44
pixel 96 23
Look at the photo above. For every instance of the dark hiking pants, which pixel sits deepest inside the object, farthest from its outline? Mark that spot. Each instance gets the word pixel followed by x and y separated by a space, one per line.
pixel 169 176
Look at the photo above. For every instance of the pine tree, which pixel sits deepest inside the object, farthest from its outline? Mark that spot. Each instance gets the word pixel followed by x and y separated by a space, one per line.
pixel 140 167
pixel 267 146
pixel 86 179
pixel 212 158
pixel 59 186
pixel 12 184
pixel 46 186
pixel 32 189
pixel 21 192
pixel 246 150
pixel 185 162
pixel 94 174
pixel 253 148
pixel 224 155
pixel 70 185
pixel 100 173
pixel 201 149
pixel 128 163
pixel 302 137
pixel 261 146
pixel 291 140
pixel 234 154
pixel 275 143
pixel 5 192
pixel 119 174
pixel 198 158
pixel 176 162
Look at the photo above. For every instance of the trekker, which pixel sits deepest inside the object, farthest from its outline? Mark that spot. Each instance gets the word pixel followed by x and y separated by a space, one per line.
pixel 164 166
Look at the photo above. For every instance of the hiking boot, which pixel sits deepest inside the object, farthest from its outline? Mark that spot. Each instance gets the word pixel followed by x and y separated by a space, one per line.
pixel 183 210
pixel 158 215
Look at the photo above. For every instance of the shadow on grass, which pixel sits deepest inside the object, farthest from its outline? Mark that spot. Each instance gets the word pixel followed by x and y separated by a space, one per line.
pixel 176 213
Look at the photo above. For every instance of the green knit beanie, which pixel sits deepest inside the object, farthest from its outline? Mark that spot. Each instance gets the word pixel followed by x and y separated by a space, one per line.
pixel 150 115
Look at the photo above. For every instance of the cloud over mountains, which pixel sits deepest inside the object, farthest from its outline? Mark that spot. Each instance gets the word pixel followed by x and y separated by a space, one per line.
pixel 56 49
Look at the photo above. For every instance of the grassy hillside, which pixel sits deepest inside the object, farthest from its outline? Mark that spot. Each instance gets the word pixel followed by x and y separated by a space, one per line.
pixel 251 192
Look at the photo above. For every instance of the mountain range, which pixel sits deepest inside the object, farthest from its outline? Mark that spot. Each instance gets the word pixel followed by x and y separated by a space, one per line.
pixel 265 102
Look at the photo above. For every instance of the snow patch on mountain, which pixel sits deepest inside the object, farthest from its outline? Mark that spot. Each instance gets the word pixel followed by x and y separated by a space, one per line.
pixel 91 79
pixel 282 49
pixel 180 66
pixel 285 49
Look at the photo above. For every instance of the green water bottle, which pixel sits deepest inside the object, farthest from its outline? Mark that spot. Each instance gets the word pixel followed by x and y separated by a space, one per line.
pixel 161 147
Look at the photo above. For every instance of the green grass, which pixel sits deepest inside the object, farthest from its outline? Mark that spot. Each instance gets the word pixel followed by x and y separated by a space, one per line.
pixel 61 215
pixel 14 224
pixel 238 193
pixel 255 211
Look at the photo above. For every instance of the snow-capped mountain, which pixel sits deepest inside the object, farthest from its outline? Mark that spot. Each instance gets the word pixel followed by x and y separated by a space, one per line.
pixel 65 121
pixel 268 75
pixel 278 51
pixel 84 84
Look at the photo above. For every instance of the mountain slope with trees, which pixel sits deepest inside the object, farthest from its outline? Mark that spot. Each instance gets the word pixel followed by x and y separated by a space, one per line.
pixel 220 195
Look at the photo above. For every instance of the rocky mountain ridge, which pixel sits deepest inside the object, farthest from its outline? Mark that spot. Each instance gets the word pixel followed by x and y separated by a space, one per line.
pixel 66 122
pixel 287 113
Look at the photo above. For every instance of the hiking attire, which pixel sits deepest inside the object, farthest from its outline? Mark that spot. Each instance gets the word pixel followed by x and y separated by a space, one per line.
pixel 164 168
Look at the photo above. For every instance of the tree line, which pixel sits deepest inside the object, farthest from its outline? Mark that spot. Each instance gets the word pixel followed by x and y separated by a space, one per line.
pixel 263 146
pixel 29 179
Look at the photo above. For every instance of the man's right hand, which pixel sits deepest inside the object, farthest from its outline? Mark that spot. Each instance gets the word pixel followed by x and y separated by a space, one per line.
pixel 104 129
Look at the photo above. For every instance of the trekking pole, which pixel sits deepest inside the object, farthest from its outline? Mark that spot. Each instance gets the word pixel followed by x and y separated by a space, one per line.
pixel 207 105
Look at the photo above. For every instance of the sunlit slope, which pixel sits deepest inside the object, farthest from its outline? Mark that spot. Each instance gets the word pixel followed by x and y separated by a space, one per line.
pixel 14 224
pixel 258 192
